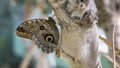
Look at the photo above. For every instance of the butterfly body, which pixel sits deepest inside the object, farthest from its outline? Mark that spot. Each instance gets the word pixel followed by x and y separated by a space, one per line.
pixel 43 32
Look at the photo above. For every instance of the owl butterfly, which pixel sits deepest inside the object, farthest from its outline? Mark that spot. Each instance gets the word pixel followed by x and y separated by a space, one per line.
pixel 43 32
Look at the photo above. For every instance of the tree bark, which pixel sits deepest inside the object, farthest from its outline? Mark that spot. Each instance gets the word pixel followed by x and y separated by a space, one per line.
pixel 79 36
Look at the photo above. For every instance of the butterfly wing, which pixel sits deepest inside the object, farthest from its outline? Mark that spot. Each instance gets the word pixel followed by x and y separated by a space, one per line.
pixel 43 32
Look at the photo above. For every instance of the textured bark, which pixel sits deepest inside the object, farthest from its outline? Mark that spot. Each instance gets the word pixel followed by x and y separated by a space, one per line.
pixel 79 36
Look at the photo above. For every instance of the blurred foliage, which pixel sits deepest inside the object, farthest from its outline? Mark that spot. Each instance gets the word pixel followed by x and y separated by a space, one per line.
pixel 6 33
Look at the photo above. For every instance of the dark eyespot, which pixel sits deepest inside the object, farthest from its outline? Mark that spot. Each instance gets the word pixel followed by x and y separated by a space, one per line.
pixel 42 27
pixel 49 38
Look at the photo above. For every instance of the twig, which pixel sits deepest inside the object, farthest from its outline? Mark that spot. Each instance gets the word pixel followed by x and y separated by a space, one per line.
pixel 25 61
pixel 26 58
pixel 109 44
pixel 110 59
pixel 113 47
pixel 28 9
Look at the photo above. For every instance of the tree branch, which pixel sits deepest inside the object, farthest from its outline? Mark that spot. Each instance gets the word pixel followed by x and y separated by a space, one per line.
pixel 79 36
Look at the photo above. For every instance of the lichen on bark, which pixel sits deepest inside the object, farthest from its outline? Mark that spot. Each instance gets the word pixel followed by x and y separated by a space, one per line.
pixel 79 36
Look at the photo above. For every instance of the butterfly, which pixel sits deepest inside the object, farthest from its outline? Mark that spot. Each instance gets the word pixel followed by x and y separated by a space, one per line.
pixel 43 32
